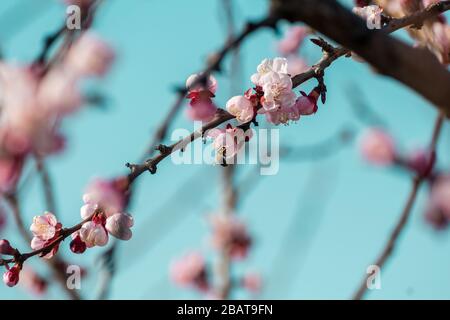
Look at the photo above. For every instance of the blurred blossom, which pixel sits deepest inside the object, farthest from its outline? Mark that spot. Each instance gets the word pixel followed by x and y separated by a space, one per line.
pixel 32 282
pixel 10 171
pixel 252 282
pixel 420 161
pixel 437 211
pixel 58 92
pixel 195 86
pixel 202 108
pixel 230 234
pixel 105 194
pixel 190 271
pixel 89 56
pixel 296 65
pixel 377 147
pixel 292 40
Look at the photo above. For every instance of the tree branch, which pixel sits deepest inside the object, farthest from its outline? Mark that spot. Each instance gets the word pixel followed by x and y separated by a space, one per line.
pixel 389 56
pixel 406 213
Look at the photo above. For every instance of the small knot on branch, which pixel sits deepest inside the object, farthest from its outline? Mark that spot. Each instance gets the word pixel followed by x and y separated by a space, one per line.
pixel 165 150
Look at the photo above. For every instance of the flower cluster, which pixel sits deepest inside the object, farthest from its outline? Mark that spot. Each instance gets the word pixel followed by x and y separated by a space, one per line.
pixel 35 101
pixel 200 93
pixel 103 208
pixel 231 235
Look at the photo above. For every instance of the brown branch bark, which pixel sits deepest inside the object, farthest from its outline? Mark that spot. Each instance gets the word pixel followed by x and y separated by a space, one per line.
pixel 391 57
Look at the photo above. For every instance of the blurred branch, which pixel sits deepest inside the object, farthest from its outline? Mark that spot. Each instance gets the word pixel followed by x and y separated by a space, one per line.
pixel 406 213
pixel 47 185
pixel 361 108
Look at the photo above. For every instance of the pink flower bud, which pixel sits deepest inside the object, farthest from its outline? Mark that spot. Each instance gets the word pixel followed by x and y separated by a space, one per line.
pixel 119 224
pixel 33 282
pixel 77 245
pixel 5 248
pixel 201 110
pixel 307 104
pixel 93 234
pixel 241 108
pixel 378 147
pixel 11 276
pixel 193 87
pixel 420 161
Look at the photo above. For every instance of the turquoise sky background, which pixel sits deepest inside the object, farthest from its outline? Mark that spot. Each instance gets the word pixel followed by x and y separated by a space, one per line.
pixel 338 212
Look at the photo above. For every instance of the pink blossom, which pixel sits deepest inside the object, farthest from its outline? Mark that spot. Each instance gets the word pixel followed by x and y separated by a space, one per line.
pixel 427 3
pixel 77 245
pixel 201 110
pixel 378 147
pixel 119 224
pixel 371 12
pixel 278 92
pixel 10 171
pixel 58 92
pixel 420 161
pixel 276 84
pixel 252 282
pixel 440 194
pixel 5 248
pixel 37 244
pixel 106 195
pixel 292 40
pixel 89 56
pixel 268 66
pixel 11 276
pixel 241 108
pixel 190 270
pixel 229 233
pixel 442 39
pixel 228 142
pixel 194 86
pixel 33 282
pixel 307 104
pixel 44 227
pixel 93 234
pixel 283 115
pixel 88 210
pixel 296 65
